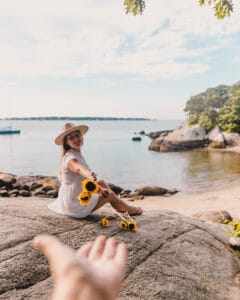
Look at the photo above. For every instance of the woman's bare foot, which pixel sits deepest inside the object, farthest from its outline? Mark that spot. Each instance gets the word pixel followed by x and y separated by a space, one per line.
pixel 95 271
pixel 133 210
pixel 118 204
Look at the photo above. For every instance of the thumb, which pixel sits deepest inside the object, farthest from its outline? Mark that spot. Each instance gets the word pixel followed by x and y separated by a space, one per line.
pixel 59 255
pixel 47 244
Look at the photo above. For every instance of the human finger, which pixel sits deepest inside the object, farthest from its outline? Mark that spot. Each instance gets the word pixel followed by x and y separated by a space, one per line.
pixel 121 255
pixel 105 193
pixel 84 250
pixel 57 253
pixel 110 248
pixel 102 183
pixel 50 245
pixel 94 176
pixel 97 247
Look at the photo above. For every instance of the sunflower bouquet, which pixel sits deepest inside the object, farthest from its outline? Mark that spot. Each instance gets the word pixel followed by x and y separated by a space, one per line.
pixel 89 188
pixel 126 222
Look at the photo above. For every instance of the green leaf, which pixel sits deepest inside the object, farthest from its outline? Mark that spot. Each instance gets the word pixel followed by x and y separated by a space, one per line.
pixel 222 8
pixel 136 7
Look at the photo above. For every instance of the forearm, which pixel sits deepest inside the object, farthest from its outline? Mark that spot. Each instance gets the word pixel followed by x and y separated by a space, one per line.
pixel 75 167
pixel 84 172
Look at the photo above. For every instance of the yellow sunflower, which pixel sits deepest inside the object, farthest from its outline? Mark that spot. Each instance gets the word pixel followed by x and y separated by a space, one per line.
pixel 132 226
pixel 104 222
pixel 90 186
pixel 123 225
pixel 84 198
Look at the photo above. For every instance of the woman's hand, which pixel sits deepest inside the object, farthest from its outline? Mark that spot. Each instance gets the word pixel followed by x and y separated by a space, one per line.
pixel 94 176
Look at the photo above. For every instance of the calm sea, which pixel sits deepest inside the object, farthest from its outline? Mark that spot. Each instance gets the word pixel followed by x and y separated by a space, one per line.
pixel 113 155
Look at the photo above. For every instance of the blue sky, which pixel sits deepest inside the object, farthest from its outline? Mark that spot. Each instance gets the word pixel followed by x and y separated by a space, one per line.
pixel 88 58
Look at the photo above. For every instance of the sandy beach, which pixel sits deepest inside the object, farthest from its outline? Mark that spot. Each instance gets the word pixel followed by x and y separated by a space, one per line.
pixel 188 203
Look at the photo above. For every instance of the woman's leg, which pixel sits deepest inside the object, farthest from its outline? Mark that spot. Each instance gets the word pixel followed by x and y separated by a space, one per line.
pixel 116 202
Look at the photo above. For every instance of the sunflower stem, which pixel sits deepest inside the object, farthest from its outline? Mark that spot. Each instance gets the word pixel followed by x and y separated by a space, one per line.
pixel 128 216
pixel 118 214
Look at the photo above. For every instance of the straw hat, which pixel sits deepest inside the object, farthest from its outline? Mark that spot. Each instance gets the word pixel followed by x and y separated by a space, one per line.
pixel 68 128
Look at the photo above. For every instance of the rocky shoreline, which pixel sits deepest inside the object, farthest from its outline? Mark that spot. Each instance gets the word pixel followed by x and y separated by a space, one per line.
pixel 48 186
pixel 191 137
pixel 26 186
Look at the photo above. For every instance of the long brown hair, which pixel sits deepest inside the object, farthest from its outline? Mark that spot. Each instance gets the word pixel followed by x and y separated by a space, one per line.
pixel 65 149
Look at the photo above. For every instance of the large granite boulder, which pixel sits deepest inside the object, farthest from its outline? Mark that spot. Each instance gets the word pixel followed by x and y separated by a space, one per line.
pixel 7 180
pixel 115 188
pixel 216 138
pixel 182 138
pixel 231 138
pixel 156 134
pixel 214 216
pixel 154 191
pixel 170 256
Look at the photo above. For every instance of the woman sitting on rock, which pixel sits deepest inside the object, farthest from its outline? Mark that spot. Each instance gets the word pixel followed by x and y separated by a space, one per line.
pixel 74 170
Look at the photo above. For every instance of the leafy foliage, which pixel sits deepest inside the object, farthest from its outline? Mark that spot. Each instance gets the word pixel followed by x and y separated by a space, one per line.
pixel 136 7
pixel 223 8
pixel 229 118
pixel 216 106
pixel 207 119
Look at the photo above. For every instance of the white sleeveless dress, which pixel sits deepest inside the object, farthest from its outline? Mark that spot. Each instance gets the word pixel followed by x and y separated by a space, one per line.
pixel 70 188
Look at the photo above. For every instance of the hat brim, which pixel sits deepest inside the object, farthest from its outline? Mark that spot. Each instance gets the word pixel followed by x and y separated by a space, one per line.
pixel 59 139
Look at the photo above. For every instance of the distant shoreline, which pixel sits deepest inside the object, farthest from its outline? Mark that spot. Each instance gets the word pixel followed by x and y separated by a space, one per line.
pixel 75 119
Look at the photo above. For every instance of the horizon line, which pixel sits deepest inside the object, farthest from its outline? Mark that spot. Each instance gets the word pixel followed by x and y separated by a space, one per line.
pixel 74 118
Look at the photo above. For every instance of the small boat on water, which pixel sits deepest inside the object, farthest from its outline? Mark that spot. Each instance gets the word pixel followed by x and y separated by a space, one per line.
pixel 136 139
pixel 9 130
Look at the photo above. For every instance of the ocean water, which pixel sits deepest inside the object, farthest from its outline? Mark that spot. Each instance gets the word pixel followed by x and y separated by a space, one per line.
pixel 111 153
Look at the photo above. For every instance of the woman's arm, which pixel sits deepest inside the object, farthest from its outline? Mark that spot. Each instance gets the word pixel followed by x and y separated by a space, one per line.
pixel 76 167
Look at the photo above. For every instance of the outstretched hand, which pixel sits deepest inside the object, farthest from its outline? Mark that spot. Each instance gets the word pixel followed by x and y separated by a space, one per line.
pixel 95 271
pixel 94 176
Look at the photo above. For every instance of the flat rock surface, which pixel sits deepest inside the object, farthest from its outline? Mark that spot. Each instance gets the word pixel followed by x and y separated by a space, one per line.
pixel 170 256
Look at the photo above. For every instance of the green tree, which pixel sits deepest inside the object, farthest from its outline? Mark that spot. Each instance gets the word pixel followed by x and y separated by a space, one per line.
pixel 222 8
pixel 194 107
pixel 216 106
pixel 203 108
pixel 207 119
pixel 229 116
